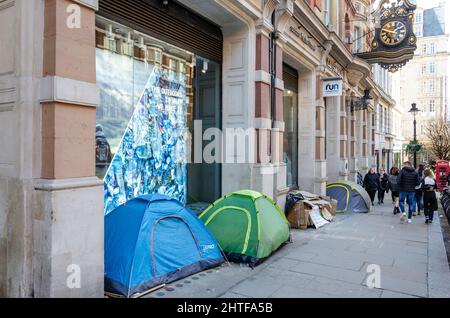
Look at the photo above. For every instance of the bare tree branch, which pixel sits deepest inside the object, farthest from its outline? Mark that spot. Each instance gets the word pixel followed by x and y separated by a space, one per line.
pixel 438 133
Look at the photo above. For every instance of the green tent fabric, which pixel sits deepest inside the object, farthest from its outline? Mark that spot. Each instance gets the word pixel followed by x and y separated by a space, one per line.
pixel 248 226
pixel 351 197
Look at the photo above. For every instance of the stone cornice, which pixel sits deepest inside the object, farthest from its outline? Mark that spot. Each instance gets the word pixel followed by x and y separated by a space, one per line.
pixel 65 90
pixel 339 51
pixel 283 15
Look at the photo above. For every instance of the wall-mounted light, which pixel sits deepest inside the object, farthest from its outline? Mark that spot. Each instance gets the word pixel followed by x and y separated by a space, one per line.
pixel 110 32
pixel 141 42
pixel 205 67
pixel 129 38
pixel 359 103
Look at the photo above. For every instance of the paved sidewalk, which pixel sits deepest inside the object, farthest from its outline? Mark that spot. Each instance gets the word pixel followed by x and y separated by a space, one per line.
pixel 335 261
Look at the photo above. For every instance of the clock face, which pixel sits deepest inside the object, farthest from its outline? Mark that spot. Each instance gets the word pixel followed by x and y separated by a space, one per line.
pixel 393 33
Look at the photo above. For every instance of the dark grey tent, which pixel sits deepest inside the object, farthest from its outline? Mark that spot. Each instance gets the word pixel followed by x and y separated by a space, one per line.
pixel 351 197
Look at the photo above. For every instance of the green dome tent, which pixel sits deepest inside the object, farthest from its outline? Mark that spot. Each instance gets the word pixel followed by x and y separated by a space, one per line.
pixel 351 197
pixel 248 226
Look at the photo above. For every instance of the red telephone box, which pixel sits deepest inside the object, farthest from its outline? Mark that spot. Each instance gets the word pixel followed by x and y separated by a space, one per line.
pixel 442 173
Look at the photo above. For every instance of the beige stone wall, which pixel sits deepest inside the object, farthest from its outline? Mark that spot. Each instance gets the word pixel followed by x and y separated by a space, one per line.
pixel 48 193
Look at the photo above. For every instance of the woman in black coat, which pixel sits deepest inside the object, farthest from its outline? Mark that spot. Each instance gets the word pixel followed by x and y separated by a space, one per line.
pixel 372 184
pixel 384 179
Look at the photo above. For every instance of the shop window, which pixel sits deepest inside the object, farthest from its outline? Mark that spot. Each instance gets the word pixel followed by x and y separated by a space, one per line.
pixel 147 95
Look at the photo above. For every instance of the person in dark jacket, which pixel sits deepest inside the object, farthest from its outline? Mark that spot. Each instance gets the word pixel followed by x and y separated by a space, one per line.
pixel 407 180
pixel 393 187
pixel 429 186
pixel 372 184
pixel 419 192
pixel 384 179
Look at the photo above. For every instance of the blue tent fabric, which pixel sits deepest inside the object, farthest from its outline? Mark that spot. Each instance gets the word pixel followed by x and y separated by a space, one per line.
pixel 154 240
pixel 351 197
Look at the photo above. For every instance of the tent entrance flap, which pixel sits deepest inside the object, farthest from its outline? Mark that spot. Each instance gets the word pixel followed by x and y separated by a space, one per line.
pixel 347 197
pixel 236 214
pixel 168 229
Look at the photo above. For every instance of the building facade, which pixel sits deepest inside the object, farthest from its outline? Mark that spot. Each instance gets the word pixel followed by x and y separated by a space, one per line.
pixel 82 109
pixel 424 80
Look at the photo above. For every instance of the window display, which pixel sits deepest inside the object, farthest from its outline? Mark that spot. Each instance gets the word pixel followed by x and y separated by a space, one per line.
pixel 141 137
pixel 152 154
pixel 151 92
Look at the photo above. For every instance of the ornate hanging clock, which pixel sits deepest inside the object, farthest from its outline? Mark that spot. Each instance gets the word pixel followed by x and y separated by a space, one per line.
pixel 393 33
pixel 394 43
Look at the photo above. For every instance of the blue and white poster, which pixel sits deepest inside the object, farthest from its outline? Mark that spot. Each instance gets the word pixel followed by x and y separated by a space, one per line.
pixel 151 157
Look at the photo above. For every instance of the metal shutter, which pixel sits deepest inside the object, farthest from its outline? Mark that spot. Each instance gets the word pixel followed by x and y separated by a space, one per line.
pixel 173 24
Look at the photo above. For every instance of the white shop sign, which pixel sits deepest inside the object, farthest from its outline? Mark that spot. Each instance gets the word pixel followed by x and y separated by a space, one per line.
pixel 332 87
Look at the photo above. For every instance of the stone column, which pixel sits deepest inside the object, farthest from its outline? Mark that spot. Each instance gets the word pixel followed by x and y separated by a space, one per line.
pixel 351 142
pixel 68 222
pixel 321 163
pixel 278 129
pixel 344 158
pixel 307 131
pixel 333 140
pixel 264 180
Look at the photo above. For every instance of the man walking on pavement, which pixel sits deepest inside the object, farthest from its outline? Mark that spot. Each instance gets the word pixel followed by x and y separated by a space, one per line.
pixel 408 180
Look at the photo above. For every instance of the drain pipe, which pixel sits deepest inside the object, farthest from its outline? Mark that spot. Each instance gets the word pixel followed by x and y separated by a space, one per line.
pixel 273 75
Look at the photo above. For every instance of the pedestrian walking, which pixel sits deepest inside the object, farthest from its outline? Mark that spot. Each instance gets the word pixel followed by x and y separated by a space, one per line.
pixel 419 192
pixel 429 187
pixel 384 179
pixel 372 184
pixel 407 180
pixel 394 188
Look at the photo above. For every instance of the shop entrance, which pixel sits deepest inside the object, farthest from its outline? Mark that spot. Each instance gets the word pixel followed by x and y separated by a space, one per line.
pixel 204 179
pixel 290 140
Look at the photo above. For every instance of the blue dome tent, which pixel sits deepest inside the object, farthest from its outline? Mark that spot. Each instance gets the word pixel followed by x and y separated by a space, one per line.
pixel 154 240
pixel 351 197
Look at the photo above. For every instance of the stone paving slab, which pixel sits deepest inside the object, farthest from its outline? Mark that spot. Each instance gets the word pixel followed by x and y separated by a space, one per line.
pixel 391 294
pixel 333 262
pixel 341 289
pixel 438 272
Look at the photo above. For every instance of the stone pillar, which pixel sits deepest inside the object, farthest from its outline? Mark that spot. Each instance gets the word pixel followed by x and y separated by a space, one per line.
pixel 333 138
pixel 307 131
pixel 238 91
pixel 265 173
pixel 351 143
pixel 344 158
pixel 278 129
pixel 321 162
pixel 68 221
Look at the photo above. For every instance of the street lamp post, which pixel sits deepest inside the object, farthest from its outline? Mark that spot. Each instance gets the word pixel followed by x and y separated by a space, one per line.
pixel 414 110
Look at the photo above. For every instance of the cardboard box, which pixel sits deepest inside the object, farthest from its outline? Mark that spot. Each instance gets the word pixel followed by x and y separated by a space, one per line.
pixel 298 216
pixel 334 205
